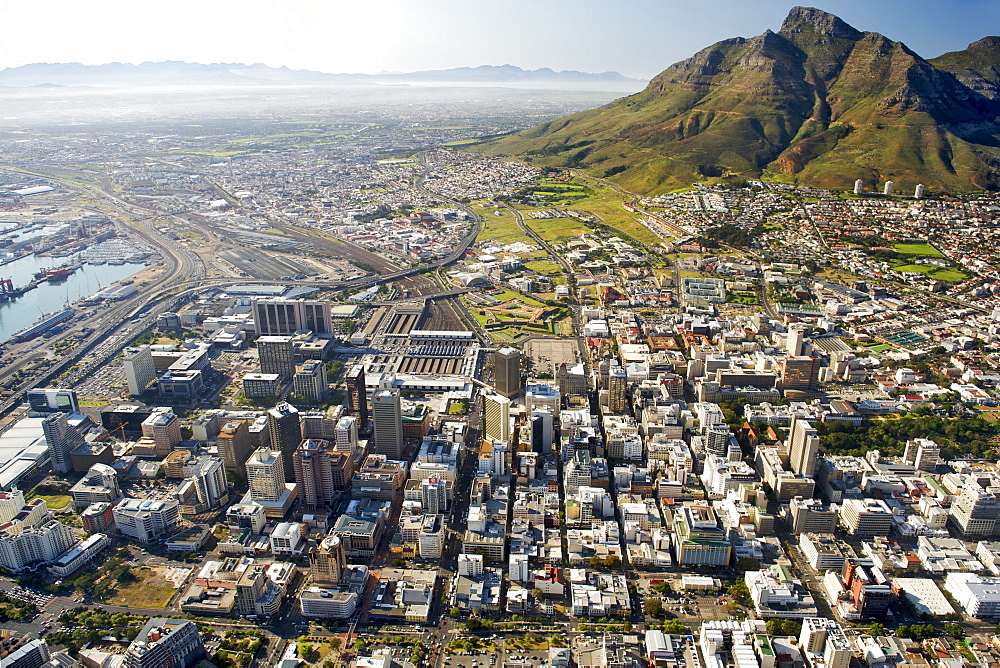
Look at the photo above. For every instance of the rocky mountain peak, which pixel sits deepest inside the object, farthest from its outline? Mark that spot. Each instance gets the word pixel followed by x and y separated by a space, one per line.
pixel 805 20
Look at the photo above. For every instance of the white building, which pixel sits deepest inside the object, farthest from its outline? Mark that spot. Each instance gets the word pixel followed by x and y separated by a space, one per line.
pixel 978 596
pixel 146 519
pixel 866 517
pixel 287 540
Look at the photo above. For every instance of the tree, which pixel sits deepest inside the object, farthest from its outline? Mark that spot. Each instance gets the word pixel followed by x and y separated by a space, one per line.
pixel 359 646
pixel 455 612
pixel 740 592
pixel 595 562
pixel 335 643
pixel 876 630
pixel 329 663
pixel 652 606
pixel 954 630
pixel 305 649
pixel 674 626
pixel 612 561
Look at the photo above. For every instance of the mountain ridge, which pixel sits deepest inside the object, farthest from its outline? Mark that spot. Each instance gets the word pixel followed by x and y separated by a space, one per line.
pixel 180 72
pixel 819 102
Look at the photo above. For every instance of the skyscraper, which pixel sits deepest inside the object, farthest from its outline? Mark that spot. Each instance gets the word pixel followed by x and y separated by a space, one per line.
pixel 327 562
pixel 803 447
pixel 496 413
pixel 314 472
pixel 234 446
pixel 357 395
pixel 139 370
pixel 387 414
pixel 286 434
pixel 617 390
pixel 60 438
pixel 265 475
pixel 507 372
pixel 277 355
pixel 800 373
pixel 277 317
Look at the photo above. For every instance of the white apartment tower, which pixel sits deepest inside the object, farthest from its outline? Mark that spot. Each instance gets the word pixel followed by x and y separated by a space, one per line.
pixel 265 475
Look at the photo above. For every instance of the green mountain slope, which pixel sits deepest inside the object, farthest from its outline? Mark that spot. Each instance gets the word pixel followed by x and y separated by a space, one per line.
pixel 818 103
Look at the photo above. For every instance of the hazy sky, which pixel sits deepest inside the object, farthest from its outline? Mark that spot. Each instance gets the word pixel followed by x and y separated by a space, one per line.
pixel 635 37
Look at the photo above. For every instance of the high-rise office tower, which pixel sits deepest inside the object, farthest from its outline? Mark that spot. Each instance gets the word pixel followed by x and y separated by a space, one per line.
pixel 286 434
pixel 328 561
pixel 310 380
pixel 60 438
pixel 265 475
pixel 387 414
pixel 277 355
pixel 346 433
pixel 617 390
pixel 235 445
pixel 319 472
pixel 139 369
pixel 496 413
pixel 164 428
pixel 507 372
pixel 800 373
pixel 281 317
pixel 357 394
pixel 803 447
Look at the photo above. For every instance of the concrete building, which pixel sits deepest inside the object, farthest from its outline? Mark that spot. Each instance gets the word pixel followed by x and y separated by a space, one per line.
pixel 283 317
pixel 923 453
pixel 617 390
pixel 234 446
pixel 321 472
pixel 310 381
pixel 866 517
pixel 286 433
pixel 975 513
pixel 978 596
pixel 507 372
pixel 61 438
pixel 165 643
pixel 812 516
pixel 357 394
pixel 803 447
pixel 164 428
pixel 698 538
pixel 824 643
pixel 800 373
pixel 261 386
pixel 387 416
pixel 140 372
pixel 277 355
pixel 496 412
pixel 328 561
pixel 145 520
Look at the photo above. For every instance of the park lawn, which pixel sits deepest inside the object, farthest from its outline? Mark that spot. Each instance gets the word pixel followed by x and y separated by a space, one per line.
pixel 552 229
pixel 143 595
pixel 55 502
pixel 948 275
pixel 925 250
pixel 508 295
pixel 937 273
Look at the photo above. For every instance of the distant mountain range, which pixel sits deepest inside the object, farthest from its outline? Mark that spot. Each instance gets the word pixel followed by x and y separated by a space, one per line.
pixel 181 73
pixel 818 103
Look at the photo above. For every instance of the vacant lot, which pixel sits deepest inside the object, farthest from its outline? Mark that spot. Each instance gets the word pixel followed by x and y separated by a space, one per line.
pixel 553 229
pixel 152 590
